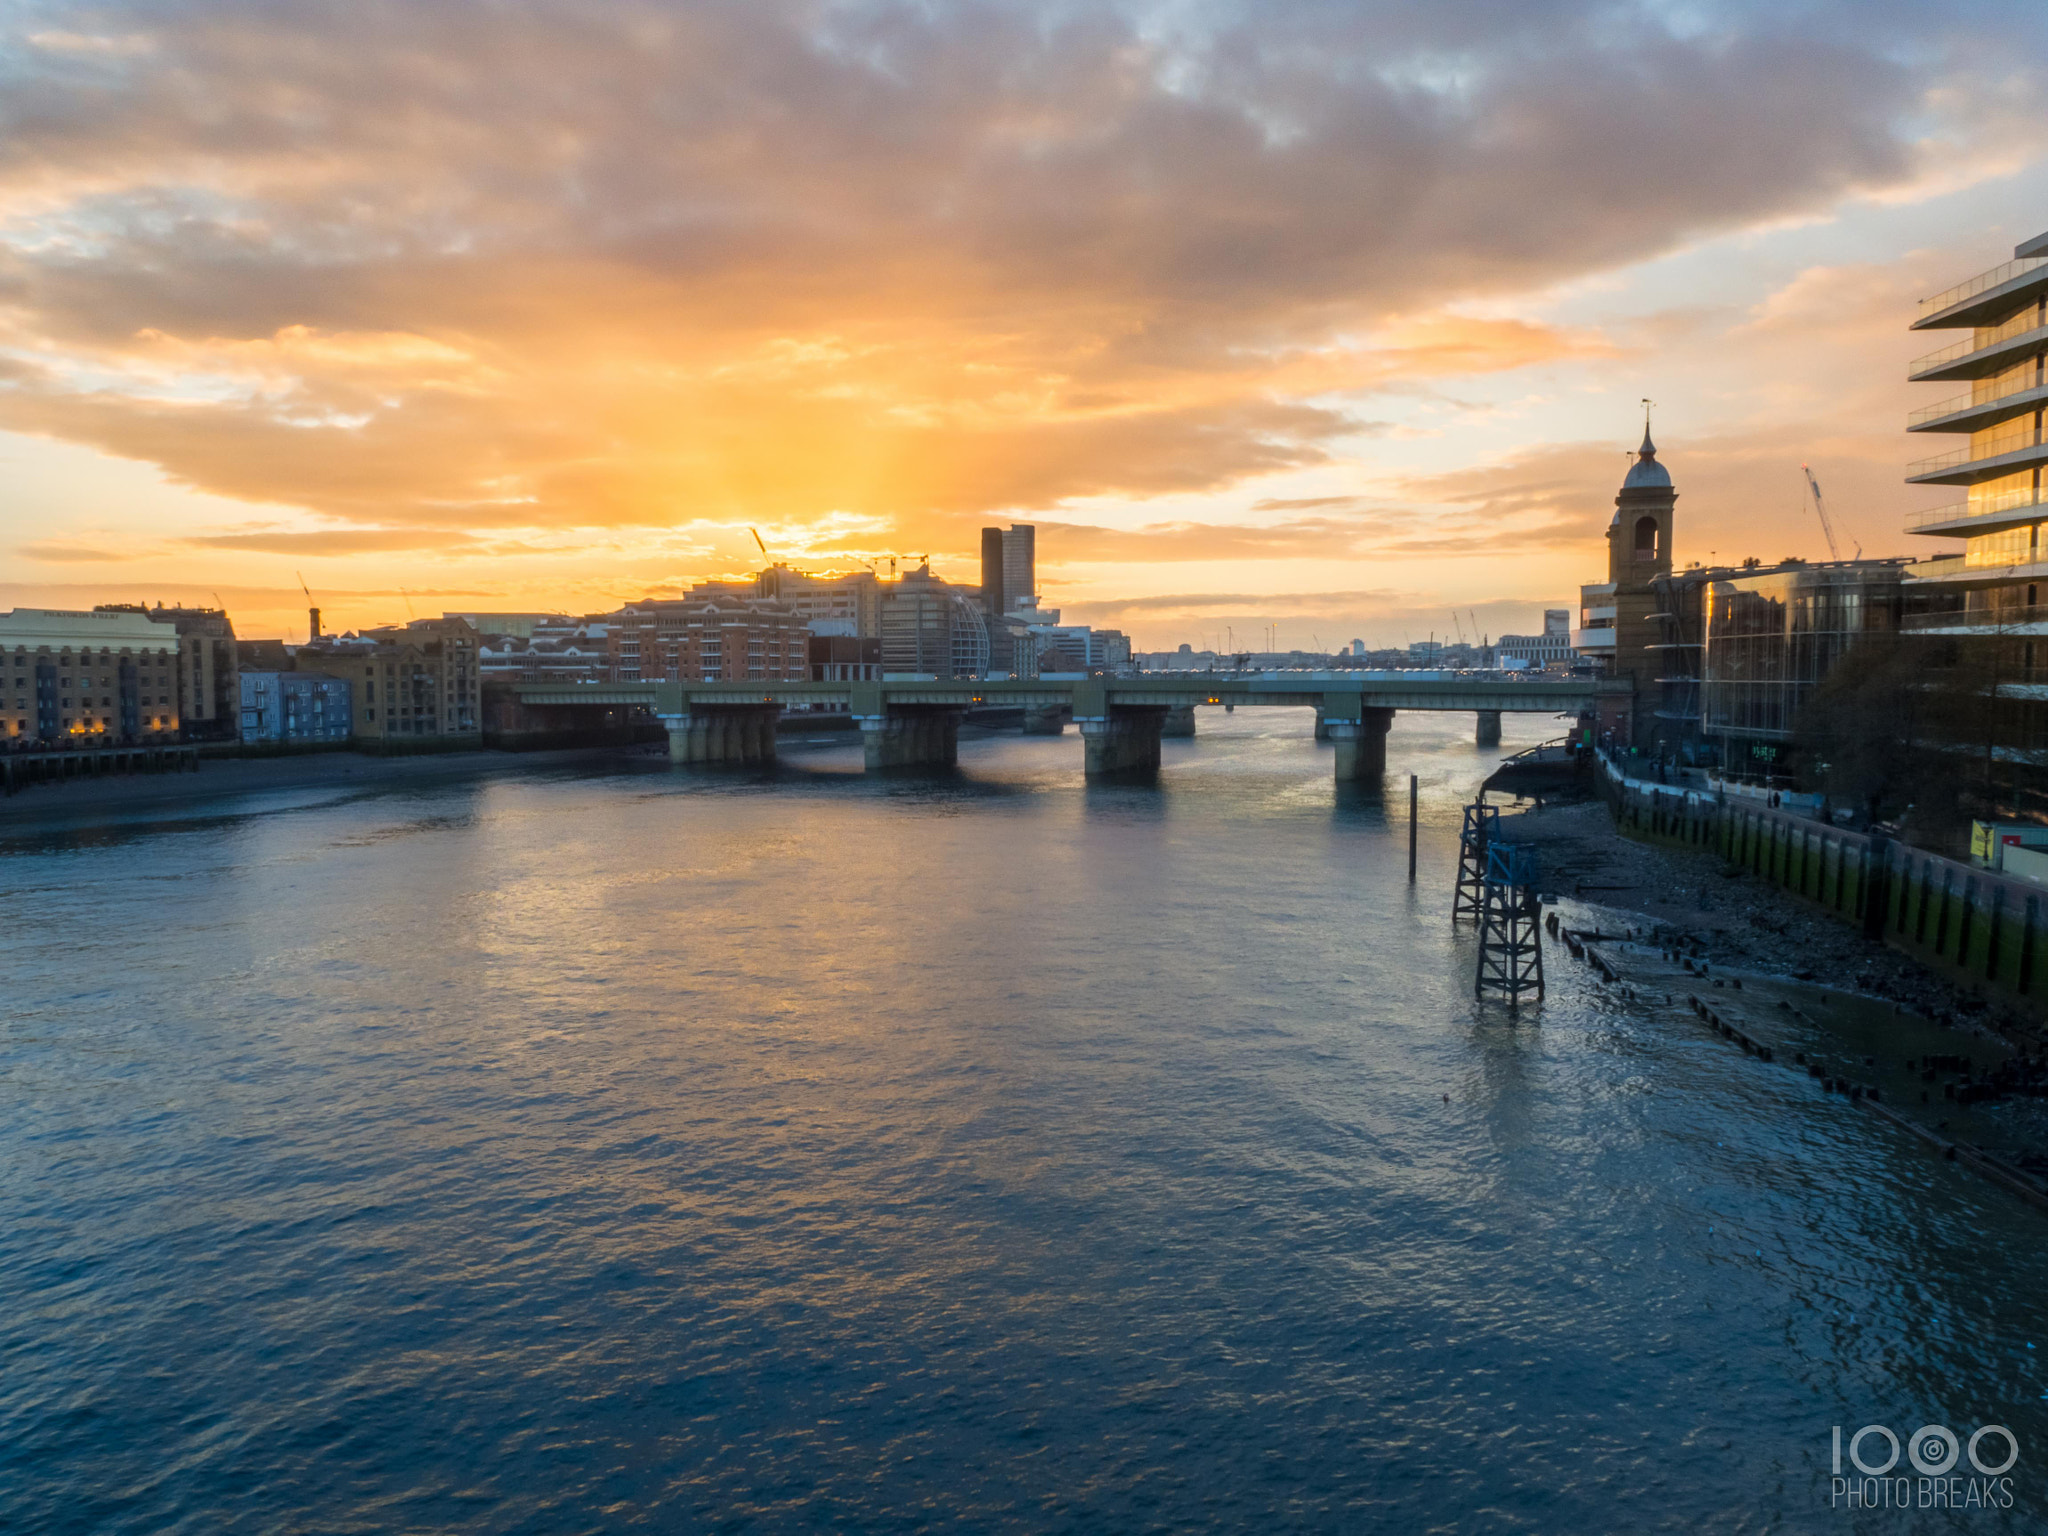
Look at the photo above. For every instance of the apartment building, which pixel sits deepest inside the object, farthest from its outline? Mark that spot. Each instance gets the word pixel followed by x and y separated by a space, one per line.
pixel 416 684
pixel 295 708
pixel 726 638
pixel 84 678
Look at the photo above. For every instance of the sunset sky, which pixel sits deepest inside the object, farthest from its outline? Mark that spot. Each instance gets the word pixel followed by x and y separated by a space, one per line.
pixel 1328 316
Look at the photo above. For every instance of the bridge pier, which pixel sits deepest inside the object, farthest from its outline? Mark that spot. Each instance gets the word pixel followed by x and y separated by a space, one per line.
pixel 914 736
pixel 1123 742
pixel 726 735
pixel 1046 719
pixel 1178 721
pixel 1322 724
pixel 1361 745
pixel 1488 732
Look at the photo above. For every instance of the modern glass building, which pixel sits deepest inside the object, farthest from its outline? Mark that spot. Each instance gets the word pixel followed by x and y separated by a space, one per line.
pixel 1995 583
pixel 1769 637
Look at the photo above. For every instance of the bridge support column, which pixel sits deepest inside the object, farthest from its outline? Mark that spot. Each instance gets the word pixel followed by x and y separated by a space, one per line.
pixel 1322 725
pixel 1488 733
pixel 1178 721
pixel 1362 746
pixel 1046 719
pixel 916 736
pixel 723 735
pixel 1124 742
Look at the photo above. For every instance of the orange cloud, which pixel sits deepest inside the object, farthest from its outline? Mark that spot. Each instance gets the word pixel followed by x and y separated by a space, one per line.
pixel 533 267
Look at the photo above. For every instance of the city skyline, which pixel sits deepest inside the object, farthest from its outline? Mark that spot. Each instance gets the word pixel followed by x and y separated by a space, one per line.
pixel 1260 322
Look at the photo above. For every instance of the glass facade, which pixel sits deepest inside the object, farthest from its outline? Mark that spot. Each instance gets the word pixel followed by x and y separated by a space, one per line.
pixel 1772 636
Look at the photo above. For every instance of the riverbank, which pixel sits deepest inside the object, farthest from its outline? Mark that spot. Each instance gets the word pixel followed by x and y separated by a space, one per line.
pixel 1684 928
pixel 67 801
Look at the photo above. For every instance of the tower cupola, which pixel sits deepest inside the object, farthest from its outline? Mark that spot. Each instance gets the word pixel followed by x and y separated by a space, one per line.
pixel 1639 537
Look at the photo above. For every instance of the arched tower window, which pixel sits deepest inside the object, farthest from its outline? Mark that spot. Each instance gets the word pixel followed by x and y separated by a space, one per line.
pixel 1646 538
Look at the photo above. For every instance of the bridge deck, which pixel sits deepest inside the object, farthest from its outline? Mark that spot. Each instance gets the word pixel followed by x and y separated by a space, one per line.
pixel 1346 691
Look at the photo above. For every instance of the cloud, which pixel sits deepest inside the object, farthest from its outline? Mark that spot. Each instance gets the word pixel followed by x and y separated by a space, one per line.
pixel 537 265
pixel 71 554
pixel 335 541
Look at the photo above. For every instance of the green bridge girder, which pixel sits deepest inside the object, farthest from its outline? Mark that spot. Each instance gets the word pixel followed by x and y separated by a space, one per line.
pixel 911 722
pixel 1336 693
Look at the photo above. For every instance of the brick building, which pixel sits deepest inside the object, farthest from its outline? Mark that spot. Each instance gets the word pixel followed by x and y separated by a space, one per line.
pixel 708 639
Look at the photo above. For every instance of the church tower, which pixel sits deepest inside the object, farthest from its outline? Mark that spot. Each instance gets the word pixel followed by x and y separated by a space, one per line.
pixel 1638 555
pixel 1639 538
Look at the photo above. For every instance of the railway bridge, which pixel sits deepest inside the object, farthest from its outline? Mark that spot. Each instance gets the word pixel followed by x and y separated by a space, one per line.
pixel 915 722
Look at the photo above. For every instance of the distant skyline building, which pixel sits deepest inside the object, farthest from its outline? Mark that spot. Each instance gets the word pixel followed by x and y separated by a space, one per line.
pixel 1009 567
pixel 931 628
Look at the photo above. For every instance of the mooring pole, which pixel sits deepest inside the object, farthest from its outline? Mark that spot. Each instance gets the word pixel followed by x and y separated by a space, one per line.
pixel 1412 795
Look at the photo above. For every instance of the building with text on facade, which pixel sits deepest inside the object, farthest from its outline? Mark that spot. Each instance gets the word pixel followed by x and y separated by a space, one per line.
pixel 86 678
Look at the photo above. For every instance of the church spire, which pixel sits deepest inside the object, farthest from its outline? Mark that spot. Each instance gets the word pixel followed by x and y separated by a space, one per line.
pixel 1649 449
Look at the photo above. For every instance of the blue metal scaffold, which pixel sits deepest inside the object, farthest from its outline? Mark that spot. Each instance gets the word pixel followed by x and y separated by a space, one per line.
pixel 1482 826
pixel 1510 931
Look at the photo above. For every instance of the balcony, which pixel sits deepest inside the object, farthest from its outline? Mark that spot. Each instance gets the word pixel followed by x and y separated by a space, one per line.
pixel 2001 456
pixel 1973 413
pixel 1593 640
pixel 1983 355
pixel 1990 514
pixel 1969 302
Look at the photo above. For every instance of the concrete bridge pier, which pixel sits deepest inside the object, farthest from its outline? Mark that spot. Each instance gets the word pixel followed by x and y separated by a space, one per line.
pixel 916 736
pixel 1361 746
pixel 1123 742
pixel 1178 721
pixel 1322 725
pixel 1488 734
pixel 1046 719
pixel 726 735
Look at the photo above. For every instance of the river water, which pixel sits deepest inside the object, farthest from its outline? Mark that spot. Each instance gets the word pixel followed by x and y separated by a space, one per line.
pixel 590 1150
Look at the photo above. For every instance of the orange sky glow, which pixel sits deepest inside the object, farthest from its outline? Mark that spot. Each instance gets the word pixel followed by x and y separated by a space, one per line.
pixel 1332 319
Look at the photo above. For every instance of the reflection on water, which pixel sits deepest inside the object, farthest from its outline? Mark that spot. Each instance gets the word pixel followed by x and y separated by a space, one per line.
pixel 560 1151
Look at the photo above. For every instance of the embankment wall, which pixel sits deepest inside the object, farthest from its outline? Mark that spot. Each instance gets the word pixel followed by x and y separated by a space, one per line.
pixel 1976 926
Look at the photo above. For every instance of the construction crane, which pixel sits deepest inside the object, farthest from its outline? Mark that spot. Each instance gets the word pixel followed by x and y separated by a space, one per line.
pixel 1827 528
pixel 1459 625
pixel 758 544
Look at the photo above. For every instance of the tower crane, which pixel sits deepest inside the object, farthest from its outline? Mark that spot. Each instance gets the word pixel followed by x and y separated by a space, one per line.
pixel 1827 528
pixel 758 544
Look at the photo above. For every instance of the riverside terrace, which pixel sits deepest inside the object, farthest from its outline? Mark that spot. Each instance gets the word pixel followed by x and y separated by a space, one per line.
pixel 915 722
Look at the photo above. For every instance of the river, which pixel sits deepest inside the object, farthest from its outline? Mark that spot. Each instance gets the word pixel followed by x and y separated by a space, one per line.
pixel 611 1148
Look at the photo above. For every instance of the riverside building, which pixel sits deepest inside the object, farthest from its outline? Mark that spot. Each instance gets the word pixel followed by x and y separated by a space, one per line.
pixel 1721 657
pixel 208 659
pixel 1987 600
pixel 295 709
pixel 86 679
pixel 412 686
